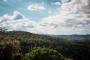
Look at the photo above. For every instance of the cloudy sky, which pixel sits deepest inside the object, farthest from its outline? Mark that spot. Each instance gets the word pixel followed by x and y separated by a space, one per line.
pixel 58 17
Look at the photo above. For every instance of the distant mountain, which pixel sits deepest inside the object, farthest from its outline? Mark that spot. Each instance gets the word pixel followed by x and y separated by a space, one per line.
pixel 74 36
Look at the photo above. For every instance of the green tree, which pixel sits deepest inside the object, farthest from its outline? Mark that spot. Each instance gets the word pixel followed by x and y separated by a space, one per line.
pixel 7 47
pixel 43 54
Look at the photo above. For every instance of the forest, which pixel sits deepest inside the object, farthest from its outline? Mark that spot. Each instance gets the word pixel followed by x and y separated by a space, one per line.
pixel 22 43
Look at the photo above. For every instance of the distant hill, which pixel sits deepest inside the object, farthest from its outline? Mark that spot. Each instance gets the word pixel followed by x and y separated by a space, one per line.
pixel 73 37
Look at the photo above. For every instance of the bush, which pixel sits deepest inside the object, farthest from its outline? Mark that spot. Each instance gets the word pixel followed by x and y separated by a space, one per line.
pixel 43 54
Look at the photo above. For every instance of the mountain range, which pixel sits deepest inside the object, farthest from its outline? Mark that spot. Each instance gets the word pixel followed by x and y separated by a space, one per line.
pixel 73 37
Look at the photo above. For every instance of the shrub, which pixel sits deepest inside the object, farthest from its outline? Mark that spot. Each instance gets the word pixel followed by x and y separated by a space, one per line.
pixel 43 54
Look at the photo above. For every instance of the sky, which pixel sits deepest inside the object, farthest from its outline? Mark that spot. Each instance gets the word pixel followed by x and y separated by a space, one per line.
pixel 57 17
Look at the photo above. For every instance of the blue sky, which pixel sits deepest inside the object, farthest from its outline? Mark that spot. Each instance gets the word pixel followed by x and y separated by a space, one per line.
pixel 58 17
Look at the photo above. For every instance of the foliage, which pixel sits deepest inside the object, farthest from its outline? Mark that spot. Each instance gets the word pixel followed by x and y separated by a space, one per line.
pixel 86 41
pixel 7 47
pixel 43 54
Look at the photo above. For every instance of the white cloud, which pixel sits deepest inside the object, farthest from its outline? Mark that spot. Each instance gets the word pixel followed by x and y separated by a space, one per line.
pixel 49 11
pixel 17 21
pixel 71 14
pixel 63 1
pixel 36 4
pixel 5 0
pixel 50 25
pixel 58 31
pixel 17 15
pixel 29 24
pixel 82 6
pixel 65 21
pixel 75 13
pixel 41 8
pixel 42 2
pixel 64 12
pixel 31 7
pixel 5 18
pixel 56 3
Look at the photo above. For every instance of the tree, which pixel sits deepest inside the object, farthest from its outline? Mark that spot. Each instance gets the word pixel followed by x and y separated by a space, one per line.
pixel 7 47
pixel 43 54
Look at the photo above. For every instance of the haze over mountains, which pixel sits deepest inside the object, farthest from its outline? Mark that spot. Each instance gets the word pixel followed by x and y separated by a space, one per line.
pixel 74 37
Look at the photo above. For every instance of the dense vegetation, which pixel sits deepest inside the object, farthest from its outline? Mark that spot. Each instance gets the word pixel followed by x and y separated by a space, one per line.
pixel 8 48
pixel 43 54
pixel 86 41
pixel 75 49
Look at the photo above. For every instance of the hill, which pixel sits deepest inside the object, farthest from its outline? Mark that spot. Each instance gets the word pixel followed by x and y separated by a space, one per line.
pixel 68 48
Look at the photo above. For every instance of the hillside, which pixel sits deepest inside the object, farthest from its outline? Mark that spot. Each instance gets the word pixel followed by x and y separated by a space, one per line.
pixel 68 48
pixel 32 36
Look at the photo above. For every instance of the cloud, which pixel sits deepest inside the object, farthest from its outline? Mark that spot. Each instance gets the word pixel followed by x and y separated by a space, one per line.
pixel 41 8
pixel 56 3
pixel 5 0
pixel 31 7
pixel 29 24
pixel 17 15
pixel 78 6
pixel 65 21
pixel 58 31
pixel 42 3
pixel 64 1
pixel 5 18
pixel 88 15
pixel 71 14
pixel 17 21
pixel 69 19
pixel 54 24
pixel 7 25
pixel 49 11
